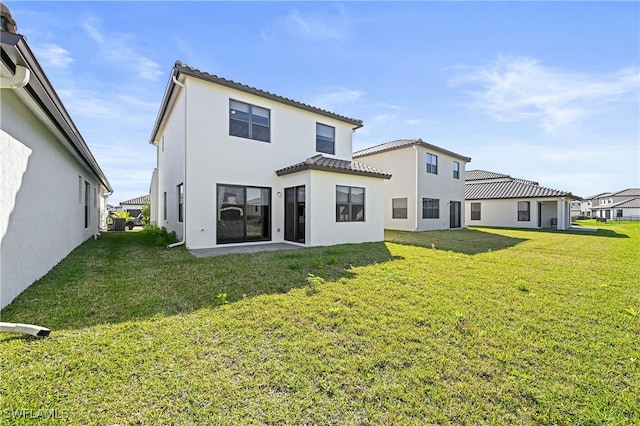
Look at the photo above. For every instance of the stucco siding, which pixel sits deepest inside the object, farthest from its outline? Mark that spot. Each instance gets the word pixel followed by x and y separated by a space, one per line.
pixel 42 202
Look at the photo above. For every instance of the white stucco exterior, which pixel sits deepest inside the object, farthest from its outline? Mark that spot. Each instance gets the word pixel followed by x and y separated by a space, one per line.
pixel 410 179
pixel 198 113
pixel 44 187
pixel 543 213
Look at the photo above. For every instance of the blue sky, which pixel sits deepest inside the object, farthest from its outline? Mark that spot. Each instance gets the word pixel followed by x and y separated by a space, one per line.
pixel 545 91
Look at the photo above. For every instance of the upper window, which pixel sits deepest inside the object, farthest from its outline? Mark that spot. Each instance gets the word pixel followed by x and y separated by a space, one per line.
pixel 349 204
pixel 249 121
pixel 456 170
pixel 399 207
pixel 325 139
pixel 430 208
pixel 432 164
pixel 524 213
pixel 476 209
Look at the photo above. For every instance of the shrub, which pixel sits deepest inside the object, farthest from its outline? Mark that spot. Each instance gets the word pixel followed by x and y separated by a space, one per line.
pixel 159 236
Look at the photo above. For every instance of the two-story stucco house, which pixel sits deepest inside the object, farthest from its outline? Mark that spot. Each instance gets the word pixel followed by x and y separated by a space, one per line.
pixel 620 205
pixel 52 190
pixel 426 191
pixel 239 165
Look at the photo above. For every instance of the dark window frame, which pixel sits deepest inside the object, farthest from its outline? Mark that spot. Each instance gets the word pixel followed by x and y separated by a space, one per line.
pixel 399 212
pixel 431 208
pixel 476 214
pixel 456 170
pixel 245 214
pixel 351 205
pixel 180 198
pixel 252 120
pixel 524 215
pixel 320 139
pixel 432 163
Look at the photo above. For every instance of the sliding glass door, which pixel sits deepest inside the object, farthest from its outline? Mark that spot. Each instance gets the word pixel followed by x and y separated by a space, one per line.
pixel 244 214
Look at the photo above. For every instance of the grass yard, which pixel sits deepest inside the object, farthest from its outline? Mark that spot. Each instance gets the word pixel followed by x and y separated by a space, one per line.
pixel 477 326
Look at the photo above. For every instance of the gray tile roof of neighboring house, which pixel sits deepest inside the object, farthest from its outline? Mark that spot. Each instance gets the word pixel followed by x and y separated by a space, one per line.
pixel 630 192
pixel 139 200
pixel 484 185
pixel 180 68
pixel 404 143
pixel 632 203
pixel 320 162
pixel 602 194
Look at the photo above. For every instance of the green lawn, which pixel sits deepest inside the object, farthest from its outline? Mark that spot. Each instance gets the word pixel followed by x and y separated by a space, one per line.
pixel 477 326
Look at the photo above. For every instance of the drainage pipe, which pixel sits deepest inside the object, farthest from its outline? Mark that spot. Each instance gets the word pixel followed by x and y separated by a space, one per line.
pixel 19 79
pixel 34 330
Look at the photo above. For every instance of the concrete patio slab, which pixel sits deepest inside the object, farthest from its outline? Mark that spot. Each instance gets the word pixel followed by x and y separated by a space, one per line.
pixel 253 248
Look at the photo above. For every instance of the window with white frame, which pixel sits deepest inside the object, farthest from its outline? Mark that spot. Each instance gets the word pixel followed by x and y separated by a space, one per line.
pixel 325 139
pixel 349 204
pixel 249 121
pixel 399 208
pixel 432 164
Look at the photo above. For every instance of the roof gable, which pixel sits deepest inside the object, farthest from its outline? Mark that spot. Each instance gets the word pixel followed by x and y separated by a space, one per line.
pixel 406 143
pixel 320 162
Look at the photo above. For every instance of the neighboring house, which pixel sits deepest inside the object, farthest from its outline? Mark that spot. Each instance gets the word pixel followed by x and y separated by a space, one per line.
pixel 239 165
pixel 587 203
pixel 52 191
pixel 426 191
pixel 495 199
pixel 135 205
pixel 621 205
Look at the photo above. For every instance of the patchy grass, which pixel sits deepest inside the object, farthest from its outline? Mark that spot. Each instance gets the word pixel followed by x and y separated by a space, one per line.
pixel 473 326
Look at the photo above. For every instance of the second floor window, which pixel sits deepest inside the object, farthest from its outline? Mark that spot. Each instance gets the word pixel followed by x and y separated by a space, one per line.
pixel 456 170
pixel 249 121
pixel 325 139
pixel 432 164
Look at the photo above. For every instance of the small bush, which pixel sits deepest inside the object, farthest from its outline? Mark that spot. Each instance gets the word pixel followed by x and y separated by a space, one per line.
pixel 159 236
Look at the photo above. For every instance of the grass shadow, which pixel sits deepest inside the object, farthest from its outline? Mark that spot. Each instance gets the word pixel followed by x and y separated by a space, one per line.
pixel 466 241
pixel 124 277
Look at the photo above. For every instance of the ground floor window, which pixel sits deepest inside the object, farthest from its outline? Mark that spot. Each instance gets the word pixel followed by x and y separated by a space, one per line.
pixel 430 208
pixel 243 214
pixel 524 211
pixel 399 208
pixel 619 213
pixel 349 204
pixel 476 209
pixel 180 194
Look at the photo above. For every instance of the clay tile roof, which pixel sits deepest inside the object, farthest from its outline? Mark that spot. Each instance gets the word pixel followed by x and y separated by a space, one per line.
pixel 484 185
pixel 320 162
pixel 185 69
pixel 404 143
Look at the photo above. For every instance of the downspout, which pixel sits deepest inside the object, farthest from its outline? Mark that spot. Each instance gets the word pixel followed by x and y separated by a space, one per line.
pixel 19 79
pixel 417 169
pixel 184 178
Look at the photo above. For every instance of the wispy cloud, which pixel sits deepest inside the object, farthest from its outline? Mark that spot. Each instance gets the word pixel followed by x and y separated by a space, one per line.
pixel 118 48
pixel 331 97
pixel 513 89
pixel 53 55
pixel 317 26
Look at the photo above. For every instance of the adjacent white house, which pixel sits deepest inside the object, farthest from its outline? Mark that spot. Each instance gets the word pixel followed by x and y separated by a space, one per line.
pixel 426 191
pixel 620 205
pixel 239 165
pixel 52 190
pixel 496 199
pixel 135 205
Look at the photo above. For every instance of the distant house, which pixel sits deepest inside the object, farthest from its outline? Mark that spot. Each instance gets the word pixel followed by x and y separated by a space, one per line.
pixel 621 205
pixel 495 199
pixel 426 191
pixel 52 190
pixel 135 205
pixel 239 165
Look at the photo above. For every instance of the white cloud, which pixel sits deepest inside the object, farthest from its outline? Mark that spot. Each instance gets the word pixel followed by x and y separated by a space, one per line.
pixel 330 97
pixel 514 89
pixel 53 55
pixel 118 49
pixel 314 26
pixel 384 117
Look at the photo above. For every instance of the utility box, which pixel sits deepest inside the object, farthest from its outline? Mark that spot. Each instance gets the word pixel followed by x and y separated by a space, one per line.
pixel 118 224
